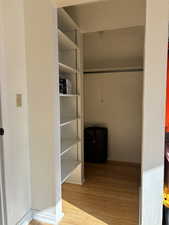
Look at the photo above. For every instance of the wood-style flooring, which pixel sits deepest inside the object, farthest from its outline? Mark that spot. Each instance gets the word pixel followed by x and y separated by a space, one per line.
pixel 109 196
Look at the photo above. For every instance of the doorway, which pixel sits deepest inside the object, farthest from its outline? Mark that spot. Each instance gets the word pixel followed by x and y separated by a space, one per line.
pixel 113 76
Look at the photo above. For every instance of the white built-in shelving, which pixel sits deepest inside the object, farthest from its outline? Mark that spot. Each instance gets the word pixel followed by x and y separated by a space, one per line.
pixel 68 95
pixel 70 118
pixel 65 43
pixel 68 166
pixel 67 121
pixel 65 21
pixel 66 69
pixel 68 144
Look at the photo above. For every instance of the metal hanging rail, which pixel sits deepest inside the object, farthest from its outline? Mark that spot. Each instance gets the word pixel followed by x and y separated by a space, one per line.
pixel 114 71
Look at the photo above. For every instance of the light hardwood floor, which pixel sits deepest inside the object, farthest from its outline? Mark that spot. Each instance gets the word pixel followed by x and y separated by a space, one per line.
pixel 108 197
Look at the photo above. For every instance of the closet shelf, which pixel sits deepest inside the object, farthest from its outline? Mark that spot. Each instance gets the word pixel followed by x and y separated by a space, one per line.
pixel 65 21
pixel 67 121
pixel 68 166
pixel 65 43
pixel 68 95
pixel 68 144
pixel 66 69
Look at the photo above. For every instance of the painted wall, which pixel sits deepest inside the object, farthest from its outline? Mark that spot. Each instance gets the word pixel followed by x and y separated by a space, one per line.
pixel 155 66
pixel 120 48
pixel 116 48
pixel 43 98
pixel 114 101
pixel 15 120
pixel 108 15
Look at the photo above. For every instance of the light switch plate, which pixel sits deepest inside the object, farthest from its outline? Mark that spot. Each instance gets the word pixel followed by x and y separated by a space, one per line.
pixel 18 100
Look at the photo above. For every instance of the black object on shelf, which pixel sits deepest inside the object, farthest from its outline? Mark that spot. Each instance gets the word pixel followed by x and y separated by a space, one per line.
pixel 95 144
pixel 65 86
pixel 62 86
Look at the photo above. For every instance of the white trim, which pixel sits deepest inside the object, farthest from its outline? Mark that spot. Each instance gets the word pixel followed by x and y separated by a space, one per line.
pixel 71 181
pixel 26 219
pixel 3 212
pixel 46 217
pixel 40 216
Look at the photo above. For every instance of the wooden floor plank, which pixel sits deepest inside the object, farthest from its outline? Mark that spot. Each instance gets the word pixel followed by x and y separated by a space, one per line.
pixel 109 196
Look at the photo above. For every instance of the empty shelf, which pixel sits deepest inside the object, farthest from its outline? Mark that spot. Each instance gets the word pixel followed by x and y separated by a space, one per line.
pixel 65 21
pixel 65 43
pixel 67 121
pixel 68 144
pixel 68 95
pixel 67 167
pixel 66 69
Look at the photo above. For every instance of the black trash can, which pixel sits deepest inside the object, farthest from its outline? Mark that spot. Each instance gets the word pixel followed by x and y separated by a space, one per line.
pixel 95 144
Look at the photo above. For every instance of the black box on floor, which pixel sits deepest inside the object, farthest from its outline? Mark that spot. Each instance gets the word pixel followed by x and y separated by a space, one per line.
pixel 95 144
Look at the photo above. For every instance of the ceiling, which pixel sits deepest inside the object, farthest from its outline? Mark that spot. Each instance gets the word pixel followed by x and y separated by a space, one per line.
pixel 64 3
pixel 116 48
pixel 109 15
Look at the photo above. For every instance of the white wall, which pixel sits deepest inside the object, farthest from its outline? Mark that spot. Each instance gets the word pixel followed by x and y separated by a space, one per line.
pixel 116 48
pixel 121 92
pixel 15 120
pixel 110 14
pixel 43 97
pixel 114 101
pixel 156 38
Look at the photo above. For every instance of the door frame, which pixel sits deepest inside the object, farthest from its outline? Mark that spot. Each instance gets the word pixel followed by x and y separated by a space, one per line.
pixel 154 101
pixel 3 216
pixel 2 172
pixel 3 210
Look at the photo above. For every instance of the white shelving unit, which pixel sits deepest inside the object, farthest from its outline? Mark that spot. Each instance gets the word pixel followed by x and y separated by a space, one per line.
pixel 67 121
pixel 68 166
pixel 66 69
pixel 68 95
pixel 65 21
pixel 65 43
pixel 68 144
pixel 70 103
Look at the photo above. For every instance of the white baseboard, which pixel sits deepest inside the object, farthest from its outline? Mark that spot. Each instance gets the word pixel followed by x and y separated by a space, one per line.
pixel 40 216
pixel 26 219
pixel 46 217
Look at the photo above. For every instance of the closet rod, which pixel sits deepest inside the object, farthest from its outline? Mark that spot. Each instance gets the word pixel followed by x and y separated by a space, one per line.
pixel 115 71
